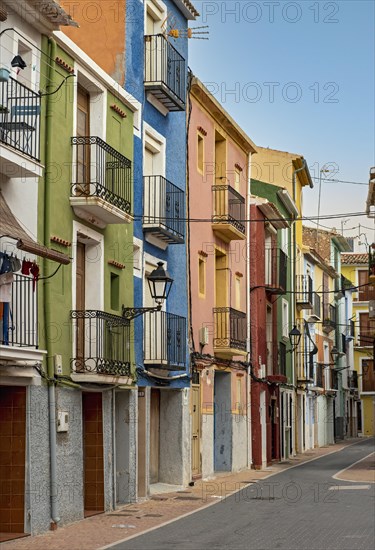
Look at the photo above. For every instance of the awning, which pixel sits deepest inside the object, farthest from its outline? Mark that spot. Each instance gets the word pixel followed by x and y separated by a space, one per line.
pixel 10 227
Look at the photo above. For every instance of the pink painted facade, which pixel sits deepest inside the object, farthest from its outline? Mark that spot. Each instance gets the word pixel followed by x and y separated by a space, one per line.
pixel 218 190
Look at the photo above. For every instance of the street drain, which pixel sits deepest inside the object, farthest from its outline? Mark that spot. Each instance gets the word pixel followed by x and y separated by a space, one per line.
pixel 187 498
pixel 249 481
pixel 120 514
pixel 153 515
pixel 155 497
pixel 266 498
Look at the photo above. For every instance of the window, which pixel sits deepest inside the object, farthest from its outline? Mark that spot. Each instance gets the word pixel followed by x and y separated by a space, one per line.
pixel 237 179
pixel 366 291
pixel 366 330
pixel 285 319
pixel 238 293
pixel 115 291
pixel 368 375
pixel 282 358
pixel 200 153
pixel 25 76
pixel 155 15
pixel 284 240
pixel 202 276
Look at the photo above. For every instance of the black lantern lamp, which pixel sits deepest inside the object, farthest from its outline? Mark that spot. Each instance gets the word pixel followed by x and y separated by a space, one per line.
pixel 160 284
pixel 334 353
pixel 18 62
pixel 294 337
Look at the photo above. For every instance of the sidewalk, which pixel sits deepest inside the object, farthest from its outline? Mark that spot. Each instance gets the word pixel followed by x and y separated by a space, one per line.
pixel 363 470
pixel 98 531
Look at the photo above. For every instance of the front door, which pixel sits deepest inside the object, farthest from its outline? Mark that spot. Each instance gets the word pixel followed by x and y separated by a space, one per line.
pixel 154 435
pixel 12 460
pixel 195 431
pixel 93 457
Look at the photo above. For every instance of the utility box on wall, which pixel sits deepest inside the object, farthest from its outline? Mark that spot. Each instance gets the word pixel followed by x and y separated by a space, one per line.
pixel 62 421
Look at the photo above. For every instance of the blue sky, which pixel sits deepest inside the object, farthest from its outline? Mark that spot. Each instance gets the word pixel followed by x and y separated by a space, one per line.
pixel 302 80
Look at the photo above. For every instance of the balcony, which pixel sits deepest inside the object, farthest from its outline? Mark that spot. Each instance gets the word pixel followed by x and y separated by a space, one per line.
pixel 164 210
pixel 102 346
pixel 353 380
pixel 305 295
pixel 101 191
pixel 228 213
pixel 329 318
pixel 19 130
pixel 305 366
pixel 229 332
pixel 19 323
pixel 164 341
pixel 165 73
pixel 276 270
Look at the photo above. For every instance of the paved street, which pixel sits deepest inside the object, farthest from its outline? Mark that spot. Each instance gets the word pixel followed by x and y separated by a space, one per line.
pixel 301 508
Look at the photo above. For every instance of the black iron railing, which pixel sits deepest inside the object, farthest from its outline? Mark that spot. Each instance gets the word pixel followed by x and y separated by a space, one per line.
pixel 329 317
pixel 229 328
pixel 164 340
pixel 102 343
pixel 317 305
pixel 319 378
pixel 164 209
pixel 304 289
pixel 276 269
pixel 229 207
pixel 20 118
pixel 282 358
pixel 165 72
pixel 350 331
pixel 353 380
pixel 334 379
pixel 101 171
pixel 19 321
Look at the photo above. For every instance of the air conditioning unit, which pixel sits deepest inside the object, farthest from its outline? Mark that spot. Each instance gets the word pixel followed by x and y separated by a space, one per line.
pixel 371 309
pixel 203 336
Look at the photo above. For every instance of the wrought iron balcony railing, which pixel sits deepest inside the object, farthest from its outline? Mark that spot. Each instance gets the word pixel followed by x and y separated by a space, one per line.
pixel 19 323
pixel 164 340
pixel 229 330
pixel 305 365
pixel 276 270
pixel 353 380
pixel 20 118
pixel 102 172
pixel 102 343
pixel 319 375
pixel 228 212
pixel 165 72
pixel 329 317
pixel 305 295
pixel 164 209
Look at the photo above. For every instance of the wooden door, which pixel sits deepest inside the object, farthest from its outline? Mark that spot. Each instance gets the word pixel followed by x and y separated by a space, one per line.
pixel 12 459
pixel 83 150
pixel 93 463
pixel 154 435
pixel 80 305
pixel 195 431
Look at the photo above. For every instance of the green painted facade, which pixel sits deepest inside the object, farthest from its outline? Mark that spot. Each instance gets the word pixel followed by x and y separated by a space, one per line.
pixel 269 192
pixel 56 215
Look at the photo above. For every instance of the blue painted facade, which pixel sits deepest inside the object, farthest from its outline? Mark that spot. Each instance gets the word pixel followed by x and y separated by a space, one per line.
pixel 173 128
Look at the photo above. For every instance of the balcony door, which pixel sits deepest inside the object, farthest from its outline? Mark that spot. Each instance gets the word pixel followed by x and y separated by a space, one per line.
pixel 154 66
pixel 152 212
pixel 83 152
pixel 80 304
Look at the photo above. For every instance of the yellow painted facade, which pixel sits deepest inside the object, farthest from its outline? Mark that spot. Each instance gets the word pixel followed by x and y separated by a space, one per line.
pixel 361 354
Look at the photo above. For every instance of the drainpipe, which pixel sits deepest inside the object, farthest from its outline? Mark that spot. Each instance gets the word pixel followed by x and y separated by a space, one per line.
pixel 46 291
pixel 294 256
pixel 248 304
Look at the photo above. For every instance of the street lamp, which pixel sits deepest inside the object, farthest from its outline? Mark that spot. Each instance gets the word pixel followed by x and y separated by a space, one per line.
pixel 160 284
pixel 334 354
pixel 294 337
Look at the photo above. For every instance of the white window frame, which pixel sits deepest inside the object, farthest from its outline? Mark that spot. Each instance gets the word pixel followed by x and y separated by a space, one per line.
pixel 285 318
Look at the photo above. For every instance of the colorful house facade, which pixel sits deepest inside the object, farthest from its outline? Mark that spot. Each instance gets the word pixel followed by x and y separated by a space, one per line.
pixel 355 267
pixel 218 194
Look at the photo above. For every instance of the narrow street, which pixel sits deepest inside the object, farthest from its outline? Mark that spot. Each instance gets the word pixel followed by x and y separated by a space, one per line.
pixel 304 507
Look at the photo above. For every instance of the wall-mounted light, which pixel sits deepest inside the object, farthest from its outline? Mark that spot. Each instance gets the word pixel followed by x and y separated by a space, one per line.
pixel 294 337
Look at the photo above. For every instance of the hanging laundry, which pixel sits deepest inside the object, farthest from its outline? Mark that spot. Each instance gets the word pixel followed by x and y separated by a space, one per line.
pixel 26 266
pixel 6 280
pixel 15 263
pixel 5 263
pixel 34 271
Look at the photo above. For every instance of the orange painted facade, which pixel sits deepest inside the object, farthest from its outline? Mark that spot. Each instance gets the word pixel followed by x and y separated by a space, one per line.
pixel 101 33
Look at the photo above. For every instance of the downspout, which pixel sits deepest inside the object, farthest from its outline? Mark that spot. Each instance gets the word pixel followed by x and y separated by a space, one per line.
pixel 294 256
pixel 248 305
pixel 46 291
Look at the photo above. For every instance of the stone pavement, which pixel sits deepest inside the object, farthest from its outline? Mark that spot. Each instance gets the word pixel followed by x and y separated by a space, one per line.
pixel 363 470
pixel 98 531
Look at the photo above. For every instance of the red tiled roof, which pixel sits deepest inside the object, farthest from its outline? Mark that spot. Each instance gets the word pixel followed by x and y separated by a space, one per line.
pixel 353 258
